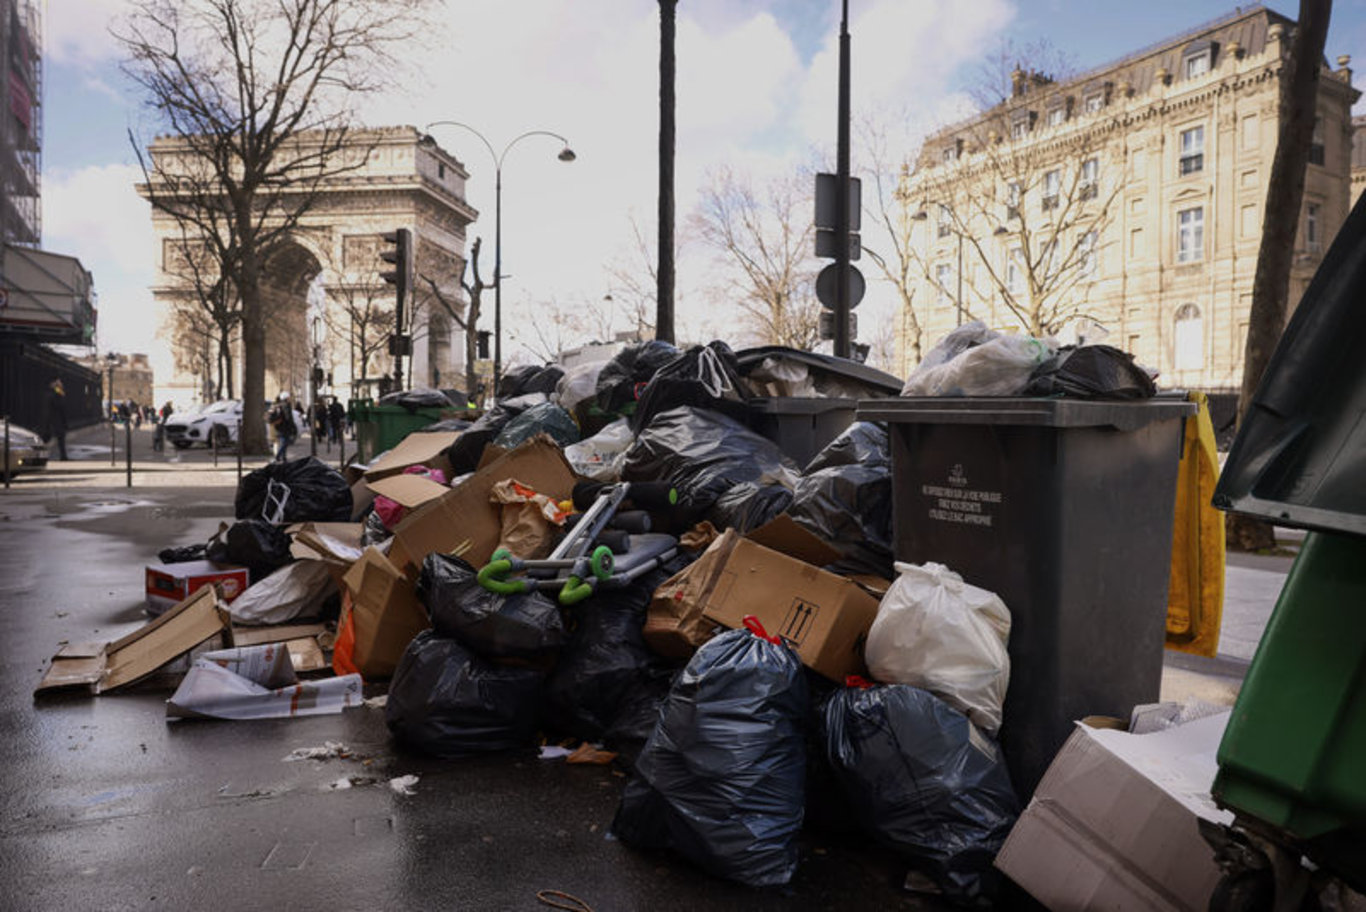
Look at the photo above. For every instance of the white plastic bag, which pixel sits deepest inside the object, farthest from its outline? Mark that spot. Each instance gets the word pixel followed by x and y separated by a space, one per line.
pixel 577 384
pixel 601 456
pixel 295 590
pixel 938 633
pixel 999 366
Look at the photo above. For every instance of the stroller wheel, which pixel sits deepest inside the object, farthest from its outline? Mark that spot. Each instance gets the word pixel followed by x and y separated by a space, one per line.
pixel 601 562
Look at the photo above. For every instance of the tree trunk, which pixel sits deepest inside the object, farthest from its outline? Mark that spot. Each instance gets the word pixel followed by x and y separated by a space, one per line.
pixel 664 296
pixel 1284 195
pixel 472 350
pixel 253 358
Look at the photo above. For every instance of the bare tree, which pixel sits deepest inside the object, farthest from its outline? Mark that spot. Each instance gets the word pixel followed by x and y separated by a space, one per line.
pixel 255 94
pixel 765 238
pixel 467 317
pixel 1299 84
pixel 206 302
pixel 635 283
pixel 1029 174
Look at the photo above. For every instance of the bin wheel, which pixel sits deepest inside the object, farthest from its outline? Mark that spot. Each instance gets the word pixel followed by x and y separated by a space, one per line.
pixel 601 562
pixel 1244 891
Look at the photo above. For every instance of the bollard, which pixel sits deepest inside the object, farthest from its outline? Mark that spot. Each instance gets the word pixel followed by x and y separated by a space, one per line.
pixel 128 450
pixel 239 453
pixel 112 445
pixel 8 473
pixel 213 442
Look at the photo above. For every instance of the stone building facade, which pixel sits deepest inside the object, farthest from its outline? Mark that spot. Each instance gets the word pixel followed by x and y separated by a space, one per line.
pixel 321 287
pixel 1125 205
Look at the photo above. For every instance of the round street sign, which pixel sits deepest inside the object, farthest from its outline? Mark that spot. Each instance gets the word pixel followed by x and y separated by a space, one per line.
pixel 825 286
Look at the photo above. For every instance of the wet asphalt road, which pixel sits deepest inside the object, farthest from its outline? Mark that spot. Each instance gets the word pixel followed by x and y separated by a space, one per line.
pixel 106 805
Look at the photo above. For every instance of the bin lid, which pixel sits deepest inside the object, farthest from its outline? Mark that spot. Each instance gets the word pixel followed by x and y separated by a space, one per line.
pixel 750 358
pixel 1300 455
pixel 1025 412
pixel 794 405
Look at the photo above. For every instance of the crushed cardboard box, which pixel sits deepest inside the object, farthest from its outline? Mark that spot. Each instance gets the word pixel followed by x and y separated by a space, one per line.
pixel 774 574
pixel 418 448
pixel 102 667
pixel 384 613
pixel 303 641
pixel 1114 823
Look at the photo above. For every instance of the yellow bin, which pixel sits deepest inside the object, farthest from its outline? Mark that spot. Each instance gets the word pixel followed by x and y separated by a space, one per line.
pixel 1195 600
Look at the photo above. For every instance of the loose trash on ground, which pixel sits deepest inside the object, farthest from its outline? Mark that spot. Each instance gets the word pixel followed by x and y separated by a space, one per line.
pixel 693 565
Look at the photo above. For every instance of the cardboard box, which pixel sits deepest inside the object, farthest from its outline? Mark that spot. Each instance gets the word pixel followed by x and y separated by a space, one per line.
pixel 168 584
pixel 464 513
pixel 385 612
pixel 824 617
pixel 418 448
pixel 101 667
pixel 1114 823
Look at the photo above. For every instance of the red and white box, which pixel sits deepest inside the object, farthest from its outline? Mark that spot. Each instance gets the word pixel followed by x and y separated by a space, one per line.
pixel 169 584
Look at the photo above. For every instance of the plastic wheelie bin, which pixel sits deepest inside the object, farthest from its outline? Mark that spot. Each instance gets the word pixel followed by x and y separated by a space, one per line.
pixel 381 427
pixel 1064 509
pixel 1292 764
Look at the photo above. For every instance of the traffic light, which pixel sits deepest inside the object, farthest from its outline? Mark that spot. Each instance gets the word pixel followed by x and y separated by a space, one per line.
pixel 401 256
pixel 483 344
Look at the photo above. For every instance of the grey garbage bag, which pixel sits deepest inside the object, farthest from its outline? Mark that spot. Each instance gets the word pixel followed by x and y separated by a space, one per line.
pixel 721 780
pixel 845 497
pixel 923 781
pixel 524 626
pixel 448 702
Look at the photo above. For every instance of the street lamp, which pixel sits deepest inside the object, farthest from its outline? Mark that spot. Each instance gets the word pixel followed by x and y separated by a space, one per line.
pixel 923 215
pixel 566 155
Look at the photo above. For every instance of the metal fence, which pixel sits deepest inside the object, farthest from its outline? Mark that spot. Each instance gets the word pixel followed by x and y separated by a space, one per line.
pixel 26 369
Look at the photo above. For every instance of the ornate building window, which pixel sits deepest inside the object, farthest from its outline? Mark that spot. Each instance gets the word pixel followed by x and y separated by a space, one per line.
pixel 1192 150
pixel 1189 339
pixel 1190 235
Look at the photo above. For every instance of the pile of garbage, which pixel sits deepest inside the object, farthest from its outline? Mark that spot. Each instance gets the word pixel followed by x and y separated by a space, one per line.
pixel 627 554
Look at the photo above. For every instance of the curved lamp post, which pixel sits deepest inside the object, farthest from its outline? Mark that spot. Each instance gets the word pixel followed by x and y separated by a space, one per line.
pixel 566 155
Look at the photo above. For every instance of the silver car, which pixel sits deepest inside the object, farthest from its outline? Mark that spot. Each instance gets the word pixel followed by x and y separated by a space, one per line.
pixel 27 452
pixel 216 423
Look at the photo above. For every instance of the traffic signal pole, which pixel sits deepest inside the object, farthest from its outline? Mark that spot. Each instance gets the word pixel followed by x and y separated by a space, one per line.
pixel 842 303
pixel 402 259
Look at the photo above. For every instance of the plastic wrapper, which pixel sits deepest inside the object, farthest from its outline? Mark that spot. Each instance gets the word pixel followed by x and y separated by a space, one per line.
pixel 999 366
pixel 469 446
pixel 182 554
pixel 546 418
pixel 529 378
pixel 1091 372
pixel 624 377
pixel 706 376
pixel 605 658
pixel 302 490
pixel 938 633
pixel 923 782
pixel 495 626
pixel 721 780
pixel 448 702
pixel 704 454
pixel 297 591
pixel 601 456
pixel 845 497
pixel 577 385
pixel 748 506
pixel 414 399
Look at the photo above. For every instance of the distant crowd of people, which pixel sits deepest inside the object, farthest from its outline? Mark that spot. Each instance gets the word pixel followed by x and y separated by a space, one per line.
pixel 326 420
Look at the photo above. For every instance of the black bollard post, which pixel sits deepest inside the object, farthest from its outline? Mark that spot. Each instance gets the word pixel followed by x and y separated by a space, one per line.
pixel 128 450
pixel 8 473
pixel 112 445
pixel 213 442
pixel 239 452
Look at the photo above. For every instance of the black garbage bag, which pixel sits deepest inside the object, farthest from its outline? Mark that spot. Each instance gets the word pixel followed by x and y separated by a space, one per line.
pixel 546 418
pixel 259 546
pixel 845 497
pixel 443 426
pixel 704 454
pixel 414 399
pixel 468 447
pixel 721 779
pixel 182 554
pixel 1091 372
pixel 705 375
pixel 638 712
pixel 605 658
pixel 622 379
pixel 748 506
pixel 529 378
pixel 448 702
pixel 922 781
pixel 301 490
pixel 494 626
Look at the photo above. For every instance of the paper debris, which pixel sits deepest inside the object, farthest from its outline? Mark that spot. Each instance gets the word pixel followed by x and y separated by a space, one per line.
pixel 403 785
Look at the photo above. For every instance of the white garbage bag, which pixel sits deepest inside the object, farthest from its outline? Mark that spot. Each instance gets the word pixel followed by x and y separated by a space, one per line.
pixel 938 633
pixel 601 456
pixel 994 366
pixel 296 590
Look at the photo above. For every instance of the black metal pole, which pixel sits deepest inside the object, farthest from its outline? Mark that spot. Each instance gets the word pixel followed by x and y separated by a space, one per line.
pixel 112 445
pixel 8 472
pixel 239 452
pixel 498 271
pixel 664 290
pixel 842 198
pixel 958 300
pixel 128 449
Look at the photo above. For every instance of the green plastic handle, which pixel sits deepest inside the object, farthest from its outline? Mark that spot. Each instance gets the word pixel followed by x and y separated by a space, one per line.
pixel 493 578
pixel 574 590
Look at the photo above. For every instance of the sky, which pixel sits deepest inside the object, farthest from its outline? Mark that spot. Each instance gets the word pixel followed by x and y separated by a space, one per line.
pixel 756 89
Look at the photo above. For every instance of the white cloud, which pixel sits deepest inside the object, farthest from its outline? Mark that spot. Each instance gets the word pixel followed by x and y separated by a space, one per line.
pixel 95 215
pixel 77 31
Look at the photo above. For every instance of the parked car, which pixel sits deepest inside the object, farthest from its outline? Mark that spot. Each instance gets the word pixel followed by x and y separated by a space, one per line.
pixel 216 422
pixel 27 452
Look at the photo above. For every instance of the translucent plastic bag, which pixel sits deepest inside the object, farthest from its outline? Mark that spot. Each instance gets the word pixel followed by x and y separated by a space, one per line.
pixel 938 633
pixel 601 456
pixel 998 367
pixel 577 384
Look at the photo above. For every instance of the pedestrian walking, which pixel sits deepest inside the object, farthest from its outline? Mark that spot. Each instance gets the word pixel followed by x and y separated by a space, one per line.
pixel 161 417
pixel 283 423
pixel 56 416
pixel 336 420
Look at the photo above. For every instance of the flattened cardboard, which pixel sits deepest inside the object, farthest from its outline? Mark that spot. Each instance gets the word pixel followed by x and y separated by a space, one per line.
pixel 1113 824
pixel 408 490
pixel 386 613
pixel 301 640
pixel 105 667
pixel 464 512
pixel 418 448
pixel 824 617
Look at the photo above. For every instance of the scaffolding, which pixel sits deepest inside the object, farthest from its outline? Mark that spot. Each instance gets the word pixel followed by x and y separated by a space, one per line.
pixel 21 122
